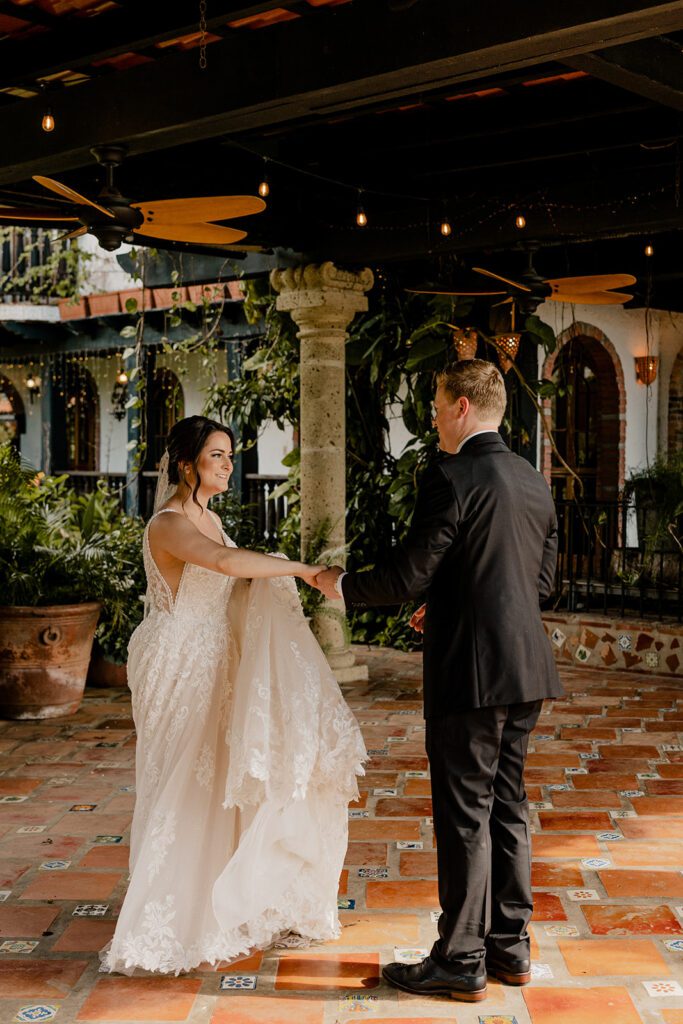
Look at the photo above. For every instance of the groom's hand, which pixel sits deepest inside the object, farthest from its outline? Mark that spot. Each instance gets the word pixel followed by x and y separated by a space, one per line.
pixel 325 582
pixel 417 619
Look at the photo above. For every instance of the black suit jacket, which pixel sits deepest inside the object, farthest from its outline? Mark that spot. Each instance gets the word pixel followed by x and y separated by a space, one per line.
pixel 481 551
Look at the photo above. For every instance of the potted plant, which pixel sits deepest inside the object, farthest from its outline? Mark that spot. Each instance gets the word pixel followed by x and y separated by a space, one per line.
pixel 104 304
pixel 58 567
pixel 657 494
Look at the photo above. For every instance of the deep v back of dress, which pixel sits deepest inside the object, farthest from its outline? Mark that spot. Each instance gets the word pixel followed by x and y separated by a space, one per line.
pixel 246 760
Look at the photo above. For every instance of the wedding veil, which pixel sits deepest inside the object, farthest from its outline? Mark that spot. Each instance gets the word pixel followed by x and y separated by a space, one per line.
pixel 164 489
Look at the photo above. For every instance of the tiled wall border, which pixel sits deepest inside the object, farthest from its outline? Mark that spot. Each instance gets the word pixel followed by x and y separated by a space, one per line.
pixel 611 643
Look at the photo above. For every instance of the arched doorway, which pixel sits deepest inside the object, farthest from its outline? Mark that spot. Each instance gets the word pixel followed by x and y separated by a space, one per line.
pixel 81 421
pixel 12 415
pixel 165 406
pixel 676 406
pixel 586 417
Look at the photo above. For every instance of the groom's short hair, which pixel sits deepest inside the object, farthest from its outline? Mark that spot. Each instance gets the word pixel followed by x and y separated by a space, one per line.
pixel 478 380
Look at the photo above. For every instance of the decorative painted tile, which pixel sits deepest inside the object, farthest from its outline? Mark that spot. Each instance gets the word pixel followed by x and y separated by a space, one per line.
pixel 541 971
pixel 675 945
pixel 497 1018
pixel 671 748
pixel 532 829
pixel 647 775
pixel 413 774
pixel 608 837
pixel 558 637
pixel 12 799
pixel 625 642
pixel 30 830
pixel 387 791
pixel 665 987
pixel 582 653
pixel 589 757
pixel 631 728
pixel 5 894
pixel 583 895
pixel 55 865
pixel 378 751
pixel 373 873
pixel 428 821
pixel 559 787
pixel 107 840
pixel 567 931
pixel 238 981
pixel 409 844
pixel 409 955
pixel 126 789
pixel 106 744
pixel 81 808
pixel 41 1011
pixel 357 1003
pixel 397 739
pixel 18 946
pixel 110 764
pixel 434 916
pixel 576 771
pixel 404 711
pixel 631 792
pixel 594 863
pixel 541 805
pixel 652 659
pixel 60 780
pixel 91 910
pixel 622 814
pixel 358 814
pixel 343 903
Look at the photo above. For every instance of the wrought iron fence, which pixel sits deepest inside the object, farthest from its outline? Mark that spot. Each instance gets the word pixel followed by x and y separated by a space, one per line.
pixel 619 558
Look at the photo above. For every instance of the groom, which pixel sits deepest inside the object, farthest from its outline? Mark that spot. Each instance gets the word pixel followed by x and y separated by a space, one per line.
pixel 481 550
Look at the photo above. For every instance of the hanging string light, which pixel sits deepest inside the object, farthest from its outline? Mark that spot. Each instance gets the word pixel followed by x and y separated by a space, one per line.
pixel 649 249
pixel 48 121
pixel 264 185
pixel 520 221
pixel 445 228
pixel 361 217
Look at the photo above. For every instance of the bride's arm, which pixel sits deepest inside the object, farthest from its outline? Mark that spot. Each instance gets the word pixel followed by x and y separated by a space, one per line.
pixel 177 537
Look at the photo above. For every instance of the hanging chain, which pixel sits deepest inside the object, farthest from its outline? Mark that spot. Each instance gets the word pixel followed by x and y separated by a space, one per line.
pixel 202 31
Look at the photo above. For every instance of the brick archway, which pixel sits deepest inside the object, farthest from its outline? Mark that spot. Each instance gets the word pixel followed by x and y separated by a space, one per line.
pixel 610 374
pixel 676 406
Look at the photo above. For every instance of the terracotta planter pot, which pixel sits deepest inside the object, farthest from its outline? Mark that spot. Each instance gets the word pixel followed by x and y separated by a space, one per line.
pixel 103 305
pixel 102 672
pixel 163 297
pixel 137 294
pixel 213 292
pixel 69 310
pixel 44 655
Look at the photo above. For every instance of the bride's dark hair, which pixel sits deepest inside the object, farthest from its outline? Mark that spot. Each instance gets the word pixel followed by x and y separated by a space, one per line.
pixel 185 441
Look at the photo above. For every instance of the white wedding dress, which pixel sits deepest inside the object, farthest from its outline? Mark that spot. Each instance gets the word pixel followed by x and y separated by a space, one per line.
pixel 247 759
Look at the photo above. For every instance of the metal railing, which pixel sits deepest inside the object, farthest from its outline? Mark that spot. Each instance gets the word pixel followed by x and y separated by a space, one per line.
pixel 618 558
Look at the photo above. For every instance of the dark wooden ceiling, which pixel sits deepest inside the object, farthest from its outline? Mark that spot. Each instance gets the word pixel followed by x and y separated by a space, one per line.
pixel 570 113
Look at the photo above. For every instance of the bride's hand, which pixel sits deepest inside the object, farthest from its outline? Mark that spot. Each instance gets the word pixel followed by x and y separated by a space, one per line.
pixel 308 573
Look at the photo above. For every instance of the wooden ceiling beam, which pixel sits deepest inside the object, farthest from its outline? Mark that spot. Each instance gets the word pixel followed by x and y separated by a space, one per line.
pixel 312 67
pixel 652 68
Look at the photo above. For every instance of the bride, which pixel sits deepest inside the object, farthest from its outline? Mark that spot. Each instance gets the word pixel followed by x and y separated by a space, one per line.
pixel 247 754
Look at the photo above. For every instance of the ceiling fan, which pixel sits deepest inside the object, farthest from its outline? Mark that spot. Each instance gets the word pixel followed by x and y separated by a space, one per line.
pixel 532 289
pixel 113 219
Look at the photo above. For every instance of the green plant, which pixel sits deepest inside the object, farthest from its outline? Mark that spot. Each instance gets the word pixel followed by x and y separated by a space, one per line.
pixel 57 547
pixel 40 269
pixel 657 492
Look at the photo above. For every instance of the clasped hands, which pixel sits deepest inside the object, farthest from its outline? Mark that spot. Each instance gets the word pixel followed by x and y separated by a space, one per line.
pixel 325 583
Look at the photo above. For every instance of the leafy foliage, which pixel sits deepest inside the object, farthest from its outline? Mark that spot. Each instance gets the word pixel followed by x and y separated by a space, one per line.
pixel 40 269
pixel 57 547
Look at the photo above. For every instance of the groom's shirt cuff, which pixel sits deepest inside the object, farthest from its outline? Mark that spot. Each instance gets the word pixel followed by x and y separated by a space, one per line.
pixel 337 584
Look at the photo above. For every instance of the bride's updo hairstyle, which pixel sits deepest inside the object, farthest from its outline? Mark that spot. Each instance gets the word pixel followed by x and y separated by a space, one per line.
pixel 185 443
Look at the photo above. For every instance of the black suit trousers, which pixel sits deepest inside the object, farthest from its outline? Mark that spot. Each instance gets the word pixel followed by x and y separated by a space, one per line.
pixel 481 825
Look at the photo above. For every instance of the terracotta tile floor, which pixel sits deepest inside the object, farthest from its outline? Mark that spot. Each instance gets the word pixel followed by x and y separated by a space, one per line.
pixel 608 870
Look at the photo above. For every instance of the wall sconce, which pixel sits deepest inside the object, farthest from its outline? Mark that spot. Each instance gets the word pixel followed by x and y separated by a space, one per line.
pixel 508 347
pixel 33 386
pixel 646 369
pixel 465 342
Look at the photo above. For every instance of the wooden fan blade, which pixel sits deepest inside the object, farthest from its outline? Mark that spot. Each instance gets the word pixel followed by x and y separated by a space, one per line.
pixel 199 210
pixel 593 298
pixel 16 213
pixel 68 193
pixel 505 280
pixel 208 234
pixel 590 283
pixel 505 302
pixel 444 291
pixel 72 234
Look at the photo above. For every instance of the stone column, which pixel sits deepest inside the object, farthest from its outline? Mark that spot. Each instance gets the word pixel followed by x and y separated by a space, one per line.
pixel 323 300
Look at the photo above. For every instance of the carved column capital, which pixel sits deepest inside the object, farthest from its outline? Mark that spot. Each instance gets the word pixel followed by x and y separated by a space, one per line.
pixel 322 295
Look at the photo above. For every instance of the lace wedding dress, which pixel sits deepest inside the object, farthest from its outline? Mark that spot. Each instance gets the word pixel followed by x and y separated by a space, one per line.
pixel 247 759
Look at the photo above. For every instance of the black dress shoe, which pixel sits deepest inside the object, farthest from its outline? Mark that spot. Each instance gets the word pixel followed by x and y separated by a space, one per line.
pixel 508 969
pixel 428 978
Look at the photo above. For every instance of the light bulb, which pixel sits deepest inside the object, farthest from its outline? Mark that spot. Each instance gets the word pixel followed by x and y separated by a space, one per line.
pixel 445 228
pixel 361 219
pixel 31 381
pixel 649 250
pixel 264 188
pixel 48 122
pixel 122 377
pixel 520 221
